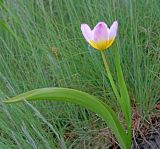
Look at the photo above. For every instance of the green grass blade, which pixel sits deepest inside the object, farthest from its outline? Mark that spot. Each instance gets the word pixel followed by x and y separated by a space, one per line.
pixel 80 98
pixel 5 27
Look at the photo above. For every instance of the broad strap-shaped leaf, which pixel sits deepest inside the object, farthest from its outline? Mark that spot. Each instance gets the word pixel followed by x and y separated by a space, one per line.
pixel 80 98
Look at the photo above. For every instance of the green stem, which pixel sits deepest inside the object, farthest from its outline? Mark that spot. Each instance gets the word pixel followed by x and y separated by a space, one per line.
pixel 123 100
pixel 111 80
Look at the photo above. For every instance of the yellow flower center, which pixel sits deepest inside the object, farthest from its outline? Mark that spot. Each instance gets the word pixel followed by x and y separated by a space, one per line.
pixel 101 45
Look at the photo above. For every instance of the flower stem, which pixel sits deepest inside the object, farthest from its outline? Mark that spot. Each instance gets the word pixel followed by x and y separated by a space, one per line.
pixel 111 78
pixel 122 98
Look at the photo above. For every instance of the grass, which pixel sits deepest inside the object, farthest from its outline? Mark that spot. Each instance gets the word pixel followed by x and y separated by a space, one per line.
pixel 41 45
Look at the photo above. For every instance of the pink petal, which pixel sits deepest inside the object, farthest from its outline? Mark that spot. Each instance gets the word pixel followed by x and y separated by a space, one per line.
pixel 100 32
pixel 113 30
pixel 87 32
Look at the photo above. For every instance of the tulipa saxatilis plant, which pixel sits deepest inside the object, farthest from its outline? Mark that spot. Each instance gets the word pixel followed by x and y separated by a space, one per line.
pixel 100 38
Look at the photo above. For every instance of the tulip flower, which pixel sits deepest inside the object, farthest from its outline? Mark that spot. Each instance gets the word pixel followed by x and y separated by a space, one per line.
pixel 101 37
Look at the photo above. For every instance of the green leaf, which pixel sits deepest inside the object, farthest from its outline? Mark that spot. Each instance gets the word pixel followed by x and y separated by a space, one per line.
pixel 80 98
pixel 125 99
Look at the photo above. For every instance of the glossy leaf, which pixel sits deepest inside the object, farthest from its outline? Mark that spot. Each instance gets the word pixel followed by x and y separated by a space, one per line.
pixel 80 98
